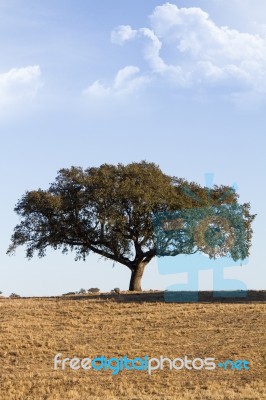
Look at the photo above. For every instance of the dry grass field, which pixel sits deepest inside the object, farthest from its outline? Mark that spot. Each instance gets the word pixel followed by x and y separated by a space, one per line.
pixel 34 330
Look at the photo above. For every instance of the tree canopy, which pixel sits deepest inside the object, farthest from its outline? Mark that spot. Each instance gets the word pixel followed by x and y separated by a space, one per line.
pixel 111 210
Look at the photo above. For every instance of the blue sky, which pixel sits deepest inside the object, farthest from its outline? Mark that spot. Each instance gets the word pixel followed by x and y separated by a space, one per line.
pixel 182 84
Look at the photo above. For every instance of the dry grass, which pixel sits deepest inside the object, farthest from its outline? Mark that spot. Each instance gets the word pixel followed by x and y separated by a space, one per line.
pixel 32 331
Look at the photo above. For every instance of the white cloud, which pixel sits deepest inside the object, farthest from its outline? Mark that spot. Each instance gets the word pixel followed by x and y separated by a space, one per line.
pixel 184 46
pixel 97 89
pixel 122 33
pixel 19 85
pixel 156 62
pixel 127 81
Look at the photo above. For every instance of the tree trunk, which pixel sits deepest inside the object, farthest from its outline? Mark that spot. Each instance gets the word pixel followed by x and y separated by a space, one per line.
pixel 136 275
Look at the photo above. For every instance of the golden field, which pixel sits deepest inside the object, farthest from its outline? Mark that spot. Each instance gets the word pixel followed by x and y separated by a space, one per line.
pixel 34 330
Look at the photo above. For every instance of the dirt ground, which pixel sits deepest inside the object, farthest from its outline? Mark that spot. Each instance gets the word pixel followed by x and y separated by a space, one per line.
pixel 34 330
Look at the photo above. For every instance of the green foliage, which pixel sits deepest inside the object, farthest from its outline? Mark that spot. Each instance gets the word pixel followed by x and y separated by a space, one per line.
pixel 217 231
pixel 69 294
pixel 14 295
pixel 109 210
pixel 93 290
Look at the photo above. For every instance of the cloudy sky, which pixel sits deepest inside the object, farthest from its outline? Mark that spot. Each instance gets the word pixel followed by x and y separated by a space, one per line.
pixel 182 84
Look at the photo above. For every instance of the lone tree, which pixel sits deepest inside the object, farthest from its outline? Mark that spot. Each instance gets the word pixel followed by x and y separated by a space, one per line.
pixel 109 210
